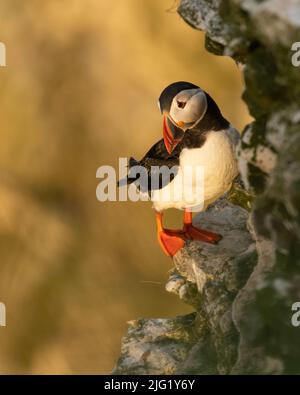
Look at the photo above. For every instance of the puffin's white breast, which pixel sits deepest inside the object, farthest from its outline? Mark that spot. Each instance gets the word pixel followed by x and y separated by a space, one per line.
pixel 217 160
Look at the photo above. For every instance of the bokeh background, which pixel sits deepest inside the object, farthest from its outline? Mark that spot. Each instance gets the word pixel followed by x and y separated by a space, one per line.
pixel 80 90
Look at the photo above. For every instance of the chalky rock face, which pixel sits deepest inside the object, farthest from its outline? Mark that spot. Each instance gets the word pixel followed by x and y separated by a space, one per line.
pixel 244 288
pixel 219 273
pixel 208 278
pixel 156 346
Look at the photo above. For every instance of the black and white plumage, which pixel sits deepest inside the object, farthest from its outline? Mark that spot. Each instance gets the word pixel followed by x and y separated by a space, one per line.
pixel 194 134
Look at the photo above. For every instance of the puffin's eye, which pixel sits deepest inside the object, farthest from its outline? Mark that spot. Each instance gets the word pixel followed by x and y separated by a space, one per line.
pixel 181 104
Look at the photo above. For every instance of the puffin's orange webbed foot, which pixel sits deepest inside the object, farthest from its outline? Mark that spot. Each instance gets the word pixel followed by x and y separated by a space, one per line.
pixel 193 233
pixel 171 242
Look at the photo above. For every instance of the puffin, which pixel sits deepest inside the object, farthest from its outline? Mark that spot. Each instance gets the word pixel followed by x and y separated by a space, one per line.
pixel 195 136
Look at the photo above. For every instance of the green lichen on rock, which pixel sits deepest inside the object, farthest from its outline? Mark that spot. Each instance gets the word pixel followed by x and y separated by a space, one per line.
pixel 239 196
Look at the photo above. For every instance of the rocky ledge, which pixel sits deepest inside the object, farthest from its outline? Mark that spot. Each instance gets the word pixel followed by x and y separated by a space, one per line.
pixel 208 277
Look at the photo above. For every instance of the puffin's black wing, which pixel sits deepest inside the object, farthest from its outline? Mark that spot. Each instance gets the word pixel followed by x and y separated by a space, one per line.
pixel 151 166
pixel 159 156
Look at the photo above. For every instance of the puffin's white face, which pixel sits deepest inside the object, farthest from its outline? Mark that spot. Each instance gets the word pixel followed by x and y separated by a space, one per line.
pixel 188 108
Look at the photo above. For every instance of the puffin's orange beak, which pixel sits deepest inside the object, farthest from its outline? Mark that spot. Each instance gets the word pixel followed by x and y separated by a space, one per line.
pixel 170 141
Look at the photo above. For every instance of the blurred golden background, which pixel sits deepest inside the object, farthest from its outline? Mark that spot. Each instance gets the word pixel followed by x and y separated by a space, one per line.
pixel 80 90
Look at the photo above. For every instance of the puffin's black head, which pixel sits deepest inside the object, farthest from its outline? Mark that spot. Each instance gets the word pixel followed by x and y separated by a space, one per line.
pixel 183 105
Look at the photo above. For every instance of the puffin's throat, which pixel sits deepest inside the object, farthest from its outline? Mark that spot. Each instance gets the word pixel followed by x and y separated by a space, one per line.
pixel 172 135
